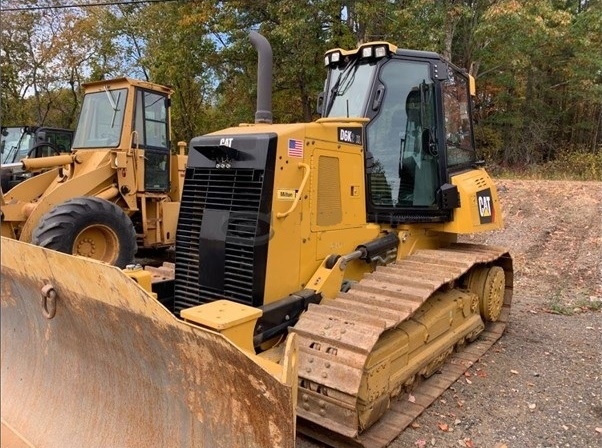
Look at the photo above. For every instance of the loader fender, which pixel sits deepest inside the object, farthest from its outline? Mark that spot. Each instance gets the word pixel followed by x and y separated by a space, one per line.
pixel 91 359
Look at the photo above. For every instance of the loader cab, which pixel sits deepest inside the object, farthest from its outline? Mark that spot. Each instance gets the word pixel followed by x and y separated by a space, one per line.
pixel 419 132
pixel 20 142
pixel 103 125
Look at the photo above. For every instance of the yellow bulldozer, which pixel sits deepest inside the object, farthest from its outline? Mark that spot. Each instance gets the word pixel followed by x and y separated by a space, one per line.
pixel 318 280
pixel 118 189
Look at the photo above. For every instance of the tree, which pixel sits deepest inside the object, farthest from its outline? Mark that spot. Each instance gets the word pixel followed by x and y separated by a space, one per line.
pixel 536 59
pixel 538 63
pixel 46 53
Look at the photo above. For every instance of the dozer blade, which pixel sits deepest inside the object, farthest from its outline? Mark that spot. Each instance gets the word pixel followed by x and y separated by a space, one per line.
pixel 89 359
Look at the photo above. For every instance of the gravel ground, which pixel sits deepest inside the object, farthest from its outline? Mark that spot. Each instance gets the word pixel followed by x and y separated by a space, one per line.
pixel 541 384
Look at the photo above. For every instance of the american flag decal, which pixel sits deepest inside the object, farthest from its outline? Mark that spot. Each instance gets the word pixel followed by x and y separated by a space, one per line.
pixel 295 148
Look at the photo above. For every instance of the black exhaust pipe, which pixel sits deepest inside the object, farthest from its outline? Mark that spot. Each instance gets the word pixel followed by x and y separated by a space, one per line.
pixel 264 78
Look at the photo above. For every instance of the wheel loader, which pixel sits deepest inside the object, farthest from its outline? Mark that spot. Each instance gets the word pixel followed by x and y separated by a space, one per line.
pixel 318 286
pixel 18 142
pixel 118 189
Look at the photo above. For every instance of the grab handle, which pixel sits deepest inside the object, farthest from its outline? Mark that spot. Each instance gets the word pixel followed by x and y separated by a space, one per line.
pixel 305 167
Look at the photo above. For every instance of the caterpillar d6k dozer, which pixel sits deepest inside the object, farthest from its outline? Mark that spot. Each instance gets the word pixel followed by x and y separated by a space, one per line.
pixel 118 189
pixel 317 282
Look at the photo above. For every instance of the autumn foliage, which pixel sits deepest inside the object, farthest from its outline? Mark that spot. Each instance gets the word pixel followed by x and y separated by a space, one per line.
pixel 537 63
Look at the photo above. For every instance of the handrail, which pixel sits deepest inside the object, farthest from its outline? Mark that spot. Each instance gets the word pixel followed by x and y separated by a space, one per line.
pixel 359 120
pixel 305 166
pixel 132 135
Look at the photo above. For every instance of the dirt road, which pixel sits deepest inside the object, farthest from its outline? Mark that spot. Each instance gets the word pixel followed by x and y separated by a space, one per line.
pixel 540 386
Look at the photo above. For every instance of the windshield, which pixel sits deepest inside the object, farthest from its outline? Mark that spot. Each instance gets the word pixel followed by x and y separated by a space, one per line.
pixel 101 119
pixel 11 151
pixel 348 89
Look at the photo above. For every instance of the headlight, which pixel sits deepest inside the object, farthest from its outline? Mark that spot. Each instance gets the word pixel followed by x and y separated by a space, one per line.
pixel 367 52
pixel 380 51
pixel 332 58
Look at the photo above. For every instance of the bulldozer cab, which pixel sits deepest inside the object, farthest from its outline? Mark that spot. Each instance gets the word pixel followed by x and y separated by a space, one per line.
pixel 103 124
pixel 419 131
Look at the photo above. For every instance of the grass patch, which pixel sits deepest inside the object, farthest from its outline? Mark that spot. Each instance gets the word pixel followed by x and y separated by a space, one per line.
pixel 557 306
pixel 568 165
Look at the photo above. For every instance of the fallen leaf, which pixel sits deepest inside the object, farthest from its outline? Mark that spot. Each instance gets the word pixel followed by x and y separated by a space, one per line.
pixel 415 425
pixel 468 381
pixel 443 427
pixel 515 372
pixel 420 443
pixel 468 443
pixel 467 374
pixel 532 406
pixel 411 398
pixel 599 430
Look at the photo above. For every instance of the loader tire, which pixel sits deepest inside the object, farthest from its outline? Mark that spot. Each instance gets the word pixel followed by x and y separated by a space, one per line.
pixel 90 227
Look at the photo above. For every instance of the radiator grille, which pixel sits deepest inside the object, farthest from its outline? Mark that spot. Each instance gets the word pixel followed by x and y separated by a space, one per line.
pixel 329 185
pixel 227 205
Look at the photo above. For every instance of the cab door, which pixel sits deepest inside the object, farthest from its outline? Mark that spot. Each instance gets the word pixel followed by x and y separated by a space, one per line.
pixel 152 132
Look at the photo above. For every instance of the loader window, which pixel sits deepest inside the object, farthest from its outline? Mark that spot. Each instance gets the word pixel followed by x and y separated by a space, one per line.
pixel 156 171
pixel 26 142
pixel 61 140
pixel 151 120
pixel 152 131
pixel 10 143
pixel 101 119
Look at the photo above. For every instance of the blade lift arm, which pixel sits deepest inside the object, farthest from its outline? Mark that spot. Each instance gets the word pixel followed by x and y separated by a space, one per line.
pixel 325 283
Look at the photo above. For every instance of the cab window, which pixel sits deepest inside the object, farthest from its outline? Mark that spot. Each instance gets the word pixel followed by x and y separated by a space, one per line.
pixel 151 120
pixel 458 133
pixel 152 135
pixel 403 167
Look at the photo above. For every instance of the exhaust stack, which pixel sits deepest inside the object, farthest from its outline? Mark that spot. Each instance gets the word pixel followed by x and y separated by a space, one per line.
pixel 264 78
